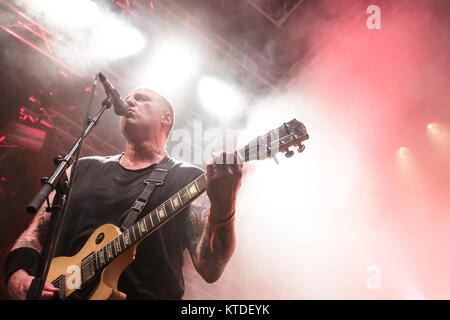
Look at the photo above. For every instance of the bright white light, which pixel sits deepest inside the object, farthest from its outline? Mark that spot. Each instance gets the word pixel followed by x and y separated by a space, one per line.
pixel 220 98
pixel 114 39
pixel 69 12
pixel 403 153
pixel 173 62
pixel 435 130
pixel 100 34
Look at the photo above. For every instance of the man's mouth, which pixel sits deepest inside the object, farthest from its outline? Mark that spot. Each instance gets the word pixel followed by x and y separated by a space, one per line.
pixel 130 113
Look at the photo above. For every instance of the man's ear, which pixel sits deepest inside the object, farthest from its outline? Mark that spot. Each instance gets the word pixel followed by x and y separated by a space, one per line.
pixel 167 119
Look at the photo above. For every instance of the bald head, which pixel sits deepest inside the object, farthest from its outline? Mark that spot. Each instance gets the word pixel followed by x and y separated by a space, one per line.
pixel 156 100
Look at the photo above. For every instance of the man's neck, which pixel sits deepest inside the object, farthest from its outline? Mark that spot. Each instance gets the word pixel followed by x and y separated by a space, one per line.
pixel 141 155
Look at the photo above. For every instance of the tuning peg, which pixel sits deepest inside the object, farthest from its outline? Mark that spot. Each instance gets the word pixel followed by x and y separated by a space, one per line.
pixel 301 147
pixel 289 154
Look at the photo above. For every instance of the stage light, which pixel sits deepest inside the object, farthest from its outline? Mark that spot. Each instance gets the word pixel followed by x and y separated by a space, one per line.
pixel 408 172
pixel 403 153
pixel 435 130
pixel 173 62
pixel 220 98
pixel 102 33
pixel 113 39
pixel 73 13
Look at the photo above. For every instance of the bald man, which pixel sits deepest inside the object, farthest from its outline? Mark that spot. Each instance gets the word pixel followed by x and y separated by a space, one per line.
pixel 105 187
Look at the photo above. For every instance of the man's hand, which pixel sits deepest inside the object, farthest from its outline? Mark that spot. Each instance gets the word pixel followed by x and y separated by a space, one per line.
pixel 211 245
pixel 223 180
pixel 19 284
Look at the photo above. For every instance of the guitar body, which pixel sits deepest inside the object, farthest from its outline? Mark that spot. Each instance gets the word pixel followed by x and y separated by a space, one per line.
pixel 105 287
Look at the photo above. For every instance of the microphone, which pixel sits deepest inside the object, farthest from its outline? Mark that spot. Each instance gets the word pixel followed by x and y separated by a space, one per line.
pixel 120 107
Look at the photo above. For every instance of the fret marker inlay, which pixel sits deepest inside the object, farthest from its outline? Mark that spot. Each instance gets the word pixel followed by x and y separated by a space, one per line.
pixel 192 190
pixel 176 203
pixel 142 226
pixel 161 213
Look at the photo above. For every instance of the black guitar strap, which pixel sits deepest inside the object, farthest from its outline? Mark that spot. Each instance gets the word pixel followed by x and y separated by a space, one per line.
pixel 156 178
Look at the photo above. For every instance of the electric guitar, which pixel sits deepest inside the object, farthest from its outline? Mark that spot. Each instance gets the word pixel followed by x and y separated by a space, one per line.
pixel 94 271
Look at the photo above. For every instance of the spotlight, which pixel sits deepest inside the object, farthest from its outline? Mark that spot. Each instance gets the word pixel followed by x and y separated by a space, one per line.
pixel 173 62
pixel 220 98
pixel 72 13
pixel 403 153
pixel 435 130
pixel 114 39
pixel 104 34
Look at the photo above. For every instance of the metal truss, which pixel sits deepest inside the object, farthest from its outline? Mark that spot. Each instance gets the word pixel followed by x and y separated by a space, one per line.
pixel 21 26
pixel 234 54
pixel 40 38
pixel 47 42
pixel 61 130
pixel 18 24
pixel 276 11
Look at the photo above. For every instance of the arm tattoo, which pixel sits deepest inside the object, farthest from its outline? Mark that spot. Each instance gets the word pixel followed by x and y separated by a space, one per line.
pixel 36 234
pixel 209 265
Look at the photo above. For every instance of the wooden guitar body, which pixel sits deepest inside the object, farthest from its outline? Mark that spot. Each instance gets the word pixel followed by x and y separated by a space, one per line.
pixel 106 287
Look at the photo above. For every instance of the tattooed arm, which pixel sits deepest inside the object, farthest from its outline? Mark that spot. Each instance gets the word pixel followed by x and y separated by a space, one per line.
pixel 36 234
pixel 33 237
pixel 222 184
pixel 208 264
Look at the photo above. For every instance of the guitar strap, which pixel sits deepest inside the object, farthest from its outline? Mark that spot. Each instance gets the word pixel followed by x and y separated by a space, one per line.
pixel 156 178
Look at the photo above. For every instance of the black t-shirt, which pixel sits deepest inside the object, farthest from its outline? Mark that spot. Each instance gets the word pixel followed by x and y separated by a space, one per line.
pixel 102 192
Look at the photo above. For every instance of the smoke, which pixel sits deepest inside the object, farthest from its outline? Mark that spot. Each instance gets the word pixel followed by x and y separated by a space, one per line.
pixel 77 34
pixel 348 219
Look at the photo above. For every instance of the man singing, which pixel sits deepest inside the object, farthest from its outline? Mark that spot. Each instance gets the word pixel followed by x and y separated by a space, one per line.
pixel 106 187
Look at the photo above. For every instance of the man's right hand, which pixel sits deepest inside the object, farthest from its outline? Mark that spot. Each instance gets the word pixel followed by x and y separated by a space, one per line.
pixel 19 283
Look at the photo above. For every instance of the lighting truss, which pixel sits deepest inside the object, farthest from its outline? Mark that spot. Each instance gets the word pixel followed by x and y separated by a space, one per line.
pixel 276 11
pixel 21 26
pixel 62 130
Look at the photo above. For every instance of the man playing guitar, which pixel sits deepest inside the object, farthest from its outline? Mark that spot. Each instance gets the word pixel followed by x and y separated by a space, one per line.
pixel 105 187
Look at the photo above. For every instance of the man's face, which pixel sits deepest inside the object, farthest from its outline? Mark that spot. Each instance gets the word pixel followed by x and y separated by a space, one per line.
pixel 146 115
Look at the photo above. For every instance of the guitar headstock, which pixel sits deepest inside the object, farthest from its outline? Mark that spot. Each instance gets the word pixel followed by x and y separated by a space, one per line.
pixel 291 133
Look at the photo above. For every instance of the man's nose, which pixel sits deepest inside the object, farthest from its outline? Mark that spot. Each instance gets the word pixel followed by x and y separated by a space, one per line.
pixel 131 102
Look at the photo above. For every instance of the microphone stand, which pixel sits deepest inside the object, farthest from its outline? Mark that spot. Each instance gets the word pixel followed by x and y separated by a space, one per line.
pixel 58 182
